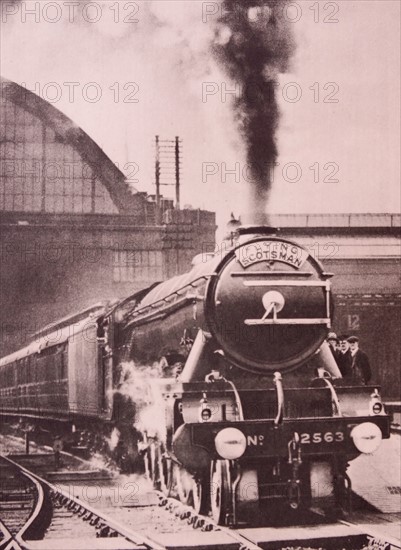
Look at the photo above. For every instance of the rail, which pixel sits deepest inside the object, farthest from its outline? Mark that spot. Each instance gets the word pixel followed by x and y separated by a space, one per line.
pixel 100 520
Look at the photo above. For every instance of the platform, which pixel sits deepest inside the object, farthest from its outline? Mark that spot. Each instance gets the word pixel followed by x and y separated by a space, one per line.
pixel 377 477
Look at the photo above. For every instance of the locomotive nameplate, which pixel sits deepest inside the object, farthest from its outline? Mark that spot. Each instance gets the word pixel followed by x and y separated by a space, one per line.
pixel 271 251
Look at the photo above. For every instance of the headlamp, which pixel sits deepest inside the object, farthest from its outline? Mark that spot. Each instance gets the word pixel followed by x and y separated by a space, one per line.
pixel 230 443
pixel 367 437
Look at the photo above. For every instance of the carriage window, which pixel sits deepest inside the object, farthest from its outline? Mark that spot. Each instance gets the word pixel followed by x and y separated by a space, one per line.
pixel 20 372
pixel 29 367
pixel 63 365
pixel 12 377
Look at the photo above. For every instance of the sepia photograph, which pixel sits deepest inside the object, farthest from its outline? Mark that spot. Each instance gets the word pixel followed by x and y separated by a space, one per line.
pixel 200 275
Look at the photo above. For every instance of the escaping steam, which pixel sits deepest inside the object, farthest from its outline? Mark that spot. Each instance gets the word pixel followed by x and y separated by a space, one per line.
pixel 139 387
pixel 254 44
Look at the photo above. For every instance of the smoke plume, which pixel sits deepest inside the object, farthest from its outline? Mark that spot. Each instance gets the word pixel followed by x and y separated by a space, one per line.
pixel 254 44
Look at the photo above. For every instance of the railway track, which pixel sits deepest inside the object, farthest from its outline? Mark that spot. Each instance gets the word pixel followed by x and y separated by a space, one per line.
pixel 22 504
pixel 69 513
pixel 60 512
pixel 328 536
pixel 29 508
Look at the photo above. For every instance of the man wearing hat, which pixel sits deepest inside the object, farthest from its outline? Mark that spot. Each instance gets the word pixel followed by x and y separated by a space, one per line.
pixel 333 341
pixel 360 366
pixel 344 360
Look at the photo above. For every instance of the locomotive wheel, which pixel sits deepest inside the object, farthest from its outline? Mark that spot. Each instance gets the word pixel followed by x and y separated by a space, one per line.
pixel 190 490
pixel 151 466
pixel 148 464
pixel 246 498
pixel 165 471
pixel 221 492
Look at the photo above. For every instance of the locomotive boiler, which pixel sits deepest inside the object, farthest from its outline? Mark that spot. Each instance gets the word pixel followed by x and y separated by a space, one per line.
pixel 259 417
pixel 245 410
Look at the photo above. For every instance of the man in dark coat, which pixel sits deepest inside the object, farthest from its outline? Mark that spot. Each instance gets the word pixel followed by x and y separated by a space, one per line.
pixel 360 367
pixel 333 342
pixel 344 359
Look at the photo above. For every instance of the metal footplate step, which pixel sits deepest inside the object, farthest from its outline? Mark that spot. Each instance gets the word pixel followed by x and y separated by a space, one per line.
pixel 116 543
pixel 330 537
pixel 214 540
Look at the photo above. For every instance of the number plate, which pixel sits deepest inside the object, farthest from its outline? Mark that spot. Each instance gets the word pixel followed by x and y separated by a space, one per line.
pixel 321 437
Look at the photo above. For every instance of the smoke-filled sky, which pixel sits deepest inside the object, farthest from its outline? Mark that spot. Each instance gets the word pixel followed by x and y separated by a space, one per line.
pixel 156 72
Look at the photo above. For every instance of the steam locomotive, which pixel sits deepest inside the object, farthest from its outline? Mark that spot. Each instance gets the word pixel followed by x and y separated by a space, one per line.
pixel 244 407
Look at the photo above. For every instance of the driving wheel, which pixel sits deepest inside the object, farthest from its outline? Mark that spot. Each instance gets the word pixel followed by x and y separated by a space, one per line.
pixel 221 492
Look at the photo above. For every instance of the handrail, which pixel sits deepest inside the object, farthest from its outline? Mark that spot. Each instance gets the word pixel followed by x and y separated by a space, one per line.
pixel 278 380
pixel 334 396
pixel 165 299
pixel 237 398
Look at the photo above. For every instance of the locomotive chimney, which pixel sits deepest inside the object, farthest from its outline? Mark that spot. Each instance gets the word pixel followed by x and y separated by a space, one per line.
pixel 246 232
pixel 238 233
